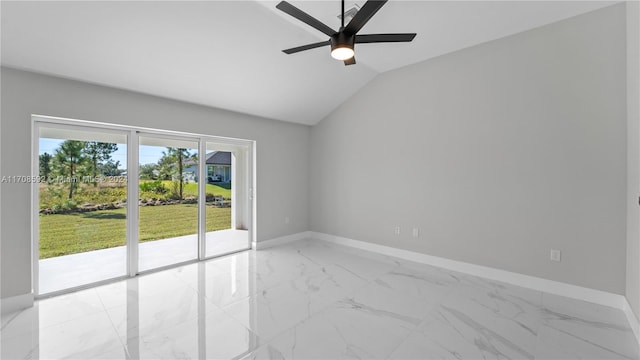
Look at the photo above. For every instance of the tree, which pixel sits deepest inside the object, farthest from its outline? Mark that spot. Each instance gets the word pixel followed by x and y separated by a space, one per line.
pixel 110 168
pixel 97 153
pixel 166 167
pixel 148 171
pixel 69 160
pixel 172 162
pixel 44 163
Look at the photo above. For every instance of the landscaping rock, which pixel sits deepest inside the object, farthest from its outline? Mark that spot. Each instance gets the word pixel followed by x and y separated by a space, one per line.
pixel 86 207
pixel 218 201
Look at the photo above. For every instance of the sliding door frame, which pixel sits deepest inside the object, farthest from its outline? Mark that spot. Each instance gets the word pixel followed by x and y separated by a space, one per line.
pixel 35 198
pixel 133 134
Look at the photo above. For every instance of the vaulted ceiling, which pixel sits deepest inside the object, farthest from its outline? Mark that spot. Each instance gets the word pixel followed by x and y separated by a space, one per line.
pixel 227 54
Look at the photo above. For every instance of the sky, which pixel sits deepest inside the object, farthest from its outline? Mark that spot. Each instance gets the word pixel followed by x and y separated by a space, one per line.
pixel 148 154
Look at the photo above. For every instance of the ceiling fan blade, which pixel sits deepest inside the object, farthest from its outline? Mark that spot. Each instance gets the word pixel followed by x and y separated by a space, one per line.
pixel 380 38
pixel 304 17
pixel 363 15
pixel 306 47
pixel 350 61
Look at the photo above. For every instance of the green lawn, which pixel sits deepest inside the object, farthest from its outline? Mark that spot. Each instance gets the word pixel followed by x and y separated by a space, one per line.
pixel 192 189
pixel 63 234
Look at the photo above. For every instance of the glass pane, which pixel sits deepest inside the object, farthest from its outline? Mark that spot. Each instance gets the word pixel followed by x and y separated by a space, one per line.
pixel 168 232
pixel 82 199
pixel 226 218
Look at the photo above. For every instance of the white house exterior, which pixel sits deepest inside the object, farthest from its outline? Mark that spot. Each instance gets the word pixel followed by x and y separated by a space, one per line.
pixel 218 168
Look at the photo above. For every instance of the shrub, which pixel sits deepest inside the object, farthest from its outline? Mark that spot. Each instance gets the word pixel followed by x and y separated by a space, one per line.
pixel 64 207
pixel 105 195
pixel 175 190
pixel 155 187
pixel 70 205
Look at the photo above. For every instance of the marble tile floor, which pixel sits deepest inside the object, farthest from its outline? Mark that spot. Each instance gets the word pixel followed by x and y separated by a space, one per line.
pixel 314 300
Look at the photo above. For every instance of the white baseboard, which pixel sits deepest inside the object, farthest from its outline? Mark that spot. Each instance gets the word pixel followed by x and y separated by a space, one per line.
pixel 281 240
pixel 632 319
pixel 554 287
pixel 15 303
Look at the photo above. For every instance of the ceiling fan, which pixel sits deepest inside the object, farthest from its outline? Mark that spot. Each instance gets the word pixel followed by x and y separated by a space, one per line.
pixel 342 41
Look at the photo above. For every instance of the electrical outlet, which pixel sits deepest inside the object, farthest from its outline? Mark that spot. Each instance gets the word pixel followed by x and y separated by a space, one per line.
pixel 287 220
pixel 416 232
pixel 555 255
pixel 397 230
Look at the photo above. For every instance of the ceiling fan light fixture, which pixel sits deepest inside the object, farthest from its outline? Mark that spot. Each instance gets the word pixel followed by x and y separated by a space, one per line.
pixel 342 53
pixel 342 46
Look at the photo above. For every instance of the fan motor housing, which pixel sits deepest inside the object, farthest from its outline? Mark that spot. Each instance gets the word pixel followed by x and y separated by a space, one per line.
pixel 341 39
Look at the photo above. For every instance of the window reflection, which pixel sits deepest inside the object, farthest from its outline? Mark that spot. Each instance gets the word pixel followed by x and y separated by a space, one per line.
pixel 182 312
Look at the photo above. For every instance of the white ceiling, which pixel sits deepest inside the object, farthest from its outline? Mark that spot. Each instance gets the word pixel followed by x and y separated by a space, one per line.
pixel 227 54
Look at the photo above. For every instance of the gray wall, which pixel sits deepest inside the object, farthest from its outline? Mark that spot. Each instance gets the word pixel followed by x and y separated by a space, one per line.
pixel 282 153
pixel 498 153
pixel 633 155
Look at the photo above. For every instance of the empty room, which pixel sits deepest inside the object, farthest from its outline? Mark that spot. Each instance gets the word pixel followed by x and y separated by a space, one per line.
pixel 320 179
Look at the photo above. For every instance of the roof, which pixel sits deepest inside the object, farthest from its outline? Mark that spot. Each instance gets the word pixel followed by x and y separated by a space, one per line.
pixel 213 158
pixel 219 158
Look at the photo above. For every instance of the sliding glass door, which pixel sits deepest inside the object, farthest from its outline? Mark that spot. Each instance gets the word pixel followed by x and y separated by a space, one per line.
pixel 227 217
pixel 81 191
pixel 168 205
pixel 111 201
